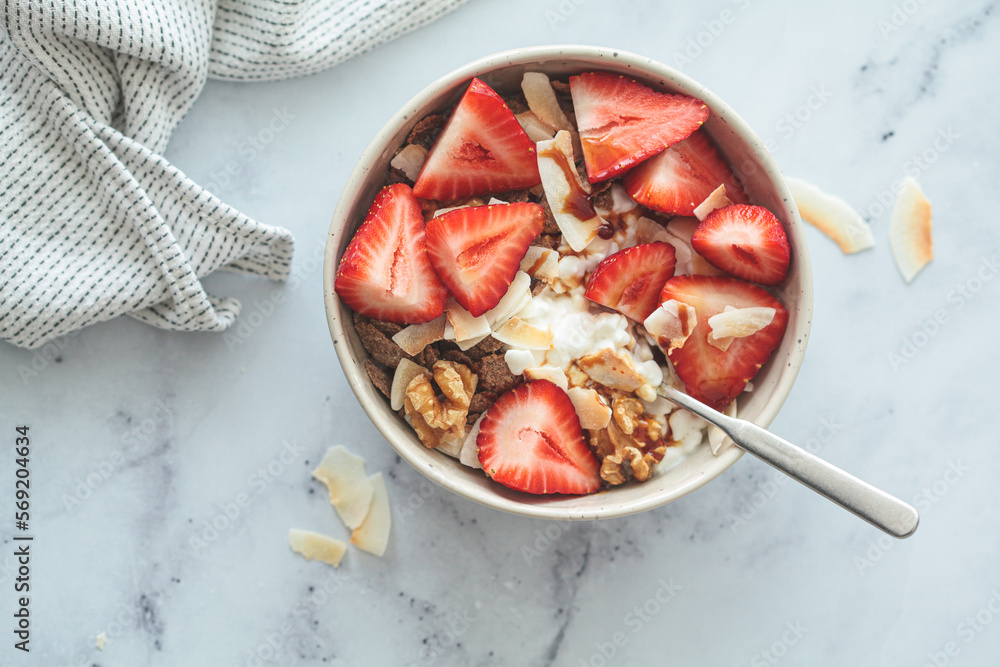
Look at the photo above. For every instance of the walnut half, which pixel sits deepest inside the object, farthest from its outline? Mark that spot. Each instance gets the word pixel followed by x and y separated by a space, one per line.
pixel 433 417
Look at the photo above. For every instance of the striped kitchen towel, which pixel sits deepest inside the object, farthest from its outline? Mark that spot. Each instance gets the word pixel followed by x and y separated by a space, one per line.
pixel 94 222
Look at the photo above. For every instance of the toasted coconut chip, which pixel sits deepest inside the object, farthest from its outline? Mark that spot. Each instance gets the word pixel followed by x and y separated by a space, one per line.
pixel 650 231
pixel 612 368
pixel 410 160
pixel 542 101
pixel 350 490
pixel 683 227
pixel 519 334
pixel 910 230
pixel 471 343
pixel 593 411
pixel 553 374
pixel 465 325
pixel 671 324
pixel 717 199
pixel 717 438
pixel 414 338
pixel 470 451
pixel 373 535
pixel 567 194
pixel 315 546
pixel 832 216
pixel 496 202
pixel 512 301
pixel 451 444
pixel 541 263
pixel 405 372
pixel 688 261
pixel 534 127
pixel 737 323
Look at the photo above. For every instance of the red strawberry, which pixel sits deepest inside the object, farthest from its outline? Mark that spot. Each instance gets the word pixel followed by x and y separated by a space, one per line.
pixel 623 122
pixel 482 149
pixel 679 178
pixel 477 250
pixel 745 241
pixel 384 273
pixel 530 440
pixel 631 279
pixel 711 375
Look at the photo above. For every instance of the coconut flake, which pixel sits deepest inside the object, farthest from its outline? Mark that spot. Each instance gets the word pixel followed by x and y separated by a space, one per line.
pixel 534 127
pixel 559 189
pixel 410 160
pixel 717 199
pixel 612 368
pixel 688 260
pixel 734 323
pixel 315 546
pixel 541 263
pixel 471 343
pixel 541 99
pixel 553 374
pixel 465 325
pixel 401 379
pixel 450 444
pixel 512 300
pixel 469 455
pixel 650 231
pixel 414 338
pixel 671 324
pixel 373 534
pixel 832 216
pixel 519 334
pixel 910 230
pixel 593 411
pixel 350 490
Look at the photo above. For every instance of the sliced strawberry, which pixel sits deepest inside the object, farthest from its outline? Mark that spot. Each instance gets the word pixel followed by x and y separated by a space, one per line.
pixel 681 177
pixel 711 375
pixel 482 149
pixel 631 279
pixel 530 440
pixel 623 122
pixel 477 250
pixel 745 241
pixel 384 273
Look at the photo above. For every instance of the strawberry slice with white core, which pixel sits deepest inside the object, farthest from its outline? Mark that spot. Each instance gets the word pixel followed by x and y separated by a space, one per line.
pixel 710 375
pixel 477 250
pixel 683 176
pixel 622 122
pixel 630 280
pixel 530 440
pixel 384 273
pixel 482 149
pixel 746 242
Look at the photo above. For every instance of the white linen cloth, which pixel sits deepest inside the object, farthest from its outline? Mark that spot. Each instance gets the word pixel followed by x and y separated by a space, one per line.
pixel 94 222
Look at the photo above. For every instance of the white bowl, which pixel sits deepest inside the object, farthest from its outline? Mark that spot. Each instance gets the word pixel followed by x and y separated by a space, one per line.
pixel 764 185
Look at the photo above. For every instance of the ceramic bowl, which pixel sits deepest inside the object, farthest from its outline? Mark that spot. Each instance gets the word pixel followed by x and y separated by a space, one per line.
pixel 764 184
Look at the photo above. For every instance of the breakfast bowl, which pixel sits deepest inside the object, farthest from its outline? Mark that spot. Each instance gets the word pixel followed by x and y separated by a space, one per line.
pixel 764 186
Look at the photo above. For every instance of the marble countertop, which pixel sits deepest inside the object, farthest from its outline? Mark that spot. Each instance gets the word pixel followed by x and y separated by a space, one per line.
pixel 143 440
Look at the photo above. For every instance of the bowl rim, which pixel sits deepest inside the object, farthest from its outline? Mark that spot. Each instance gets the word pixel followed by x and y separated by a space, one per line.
pixel 358 380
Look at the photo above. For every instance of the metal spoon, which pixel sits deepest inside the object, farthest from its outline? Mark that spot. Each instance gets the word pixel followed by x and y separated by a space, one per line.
pixel 875 506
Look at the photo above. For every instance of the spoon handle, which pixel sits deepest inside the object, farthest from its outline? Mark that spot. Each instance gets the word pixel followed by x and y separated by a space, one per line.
pixel 875 506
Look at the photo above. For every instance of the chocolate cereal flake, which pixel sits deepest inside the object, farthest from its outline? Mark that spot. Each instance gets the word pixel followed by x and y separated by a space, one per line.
pixel 379 377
